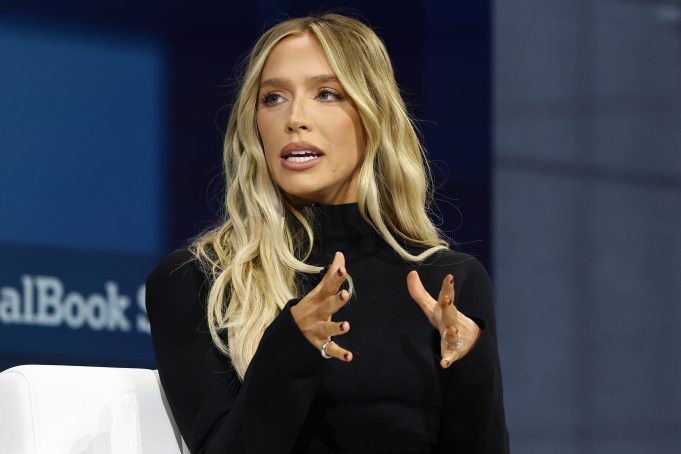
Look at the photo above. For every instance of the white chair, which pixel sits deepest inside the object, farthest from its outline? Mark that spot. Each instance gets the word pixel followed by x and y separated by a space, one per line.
pixel 85 410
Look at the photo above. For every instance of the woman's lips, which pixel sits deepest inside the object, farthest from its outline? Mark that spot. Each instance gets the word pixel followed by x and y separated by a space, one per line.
pixel 300 156
pixel 300 160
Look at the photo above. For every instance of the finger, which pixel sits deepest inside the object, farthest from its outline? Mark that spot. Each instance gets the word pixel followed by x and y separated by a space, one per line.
pixel 336 328
pixel 333 303
pixel 446 295
pixel 448 359
pixel 336 351
pixel 419 293
pixel 450 352
pixel 450 313
pixel 450 336
pixel 334 276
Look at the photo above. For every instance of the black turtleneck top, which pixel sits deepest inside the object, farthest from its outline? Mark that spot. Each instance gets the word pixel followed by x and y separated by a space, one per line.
pixel 392 398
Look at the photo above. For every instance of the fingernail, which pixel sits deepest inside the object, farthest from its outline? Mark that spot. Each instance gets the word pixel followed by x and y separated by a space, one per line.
pixel 342 326
pixel 340 295
pixel 446 363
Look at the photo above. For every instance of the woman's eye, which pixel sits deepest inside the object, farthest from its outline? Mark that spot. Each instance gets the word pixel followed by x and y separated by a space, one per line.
pixel 271 99
pixel 329 95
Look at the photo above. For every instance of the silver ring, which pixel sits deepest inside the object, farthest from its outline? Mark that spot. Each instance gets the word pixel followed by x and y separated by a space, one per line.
pixel 323 349
pixel 458 343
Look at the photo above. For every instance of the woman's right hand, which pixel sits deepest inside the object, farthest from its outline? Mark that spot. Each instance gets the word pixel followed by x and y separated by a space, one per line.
pixel 313 313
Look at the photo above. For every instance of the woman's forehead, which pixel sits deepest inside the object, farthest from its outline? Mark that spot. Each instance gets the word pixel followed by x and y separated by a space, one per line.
pixel 299 55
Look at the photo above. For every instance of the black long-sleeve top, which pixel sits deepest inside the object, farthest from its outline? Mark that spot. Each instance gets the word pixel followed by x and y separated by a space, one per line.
pixel 392 398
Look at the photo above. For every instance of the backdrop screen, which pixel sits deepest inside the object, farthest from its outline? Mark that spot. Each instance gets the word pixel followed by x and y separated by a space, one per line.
pixel 81 194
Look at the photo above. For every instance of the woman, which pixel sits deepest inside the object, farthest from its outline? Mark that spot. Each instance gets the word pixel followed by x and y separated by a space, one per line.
pixel 326 180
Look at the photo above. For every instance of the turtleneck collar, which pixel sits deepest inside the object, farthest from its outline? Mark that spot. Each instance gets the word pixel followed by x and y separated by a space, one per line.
pixel 341 228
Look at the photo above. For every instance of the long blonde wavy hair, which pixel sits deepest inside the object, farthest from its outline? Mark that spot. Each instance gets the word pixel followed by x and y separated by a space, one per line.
pixel 252 256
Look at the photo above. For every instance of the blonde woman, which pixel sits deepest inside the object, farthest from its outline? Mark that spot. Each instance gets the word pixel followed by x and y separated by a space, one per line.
pixel 302 323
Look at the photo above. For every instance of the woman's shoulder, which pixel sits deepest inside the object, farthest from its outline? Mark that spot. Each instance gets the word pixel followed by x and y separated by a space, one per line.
pixel 175 266
pixel 462 265
pixel 177 277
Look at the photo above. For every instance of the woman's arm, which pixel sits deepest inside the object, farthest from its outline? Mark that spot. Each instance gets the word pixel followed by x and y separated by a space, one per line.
pixel 473 419
pixel 473 413
pixel 215 412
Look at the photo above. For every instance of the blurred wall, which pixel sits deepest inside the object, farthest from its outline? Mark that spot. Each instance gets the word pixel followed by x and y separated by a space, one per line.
pixel 587 215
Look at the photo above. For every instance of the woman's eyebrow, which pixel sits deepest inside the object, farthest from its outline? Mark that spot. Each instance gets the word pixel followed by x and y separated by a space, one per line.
pixel 323 78
pixel 280 82
pixel 275 82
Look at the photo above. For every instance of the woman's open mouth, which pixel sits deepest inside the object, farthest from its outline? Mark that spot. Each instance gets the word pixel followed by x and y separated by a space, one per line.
pixel 301 156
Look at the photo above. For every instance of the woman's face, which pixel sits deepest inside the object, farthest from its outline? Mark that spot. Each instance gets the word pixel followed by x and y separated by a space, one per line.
pixel 311 131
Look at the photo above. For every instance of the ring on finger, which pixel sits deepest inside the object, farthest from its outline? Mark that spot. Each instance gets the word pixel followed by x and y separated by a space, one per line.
pixel 458 343
pixel 323 349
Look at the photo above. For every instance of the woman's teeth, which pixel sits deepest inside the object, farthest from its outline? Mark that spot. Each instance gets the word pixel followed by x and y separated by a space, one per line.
pixel 301 156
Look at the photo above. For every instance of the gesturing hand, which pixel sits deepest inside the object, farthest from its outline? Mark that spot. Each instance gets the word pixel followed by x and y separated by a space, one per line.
pixel 459 332
pixel 313 313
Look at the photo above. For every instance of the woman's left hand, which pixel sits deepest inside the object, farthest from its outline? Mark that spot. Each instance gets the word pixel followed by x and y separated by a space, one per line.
pixel 458 333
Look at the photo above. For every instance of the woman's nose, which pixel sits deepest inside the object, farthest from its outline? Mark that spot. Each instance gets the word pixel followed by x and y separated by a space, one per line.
pixel 297 121
pixel 294 125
